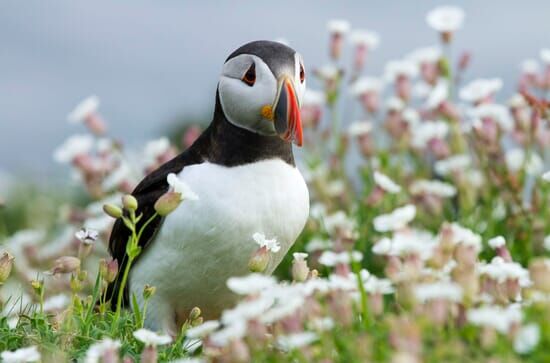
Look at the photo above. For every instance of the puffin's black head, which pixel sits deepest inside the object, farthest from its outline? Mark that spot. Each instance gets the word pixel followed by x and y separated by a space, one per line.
pixel 261 88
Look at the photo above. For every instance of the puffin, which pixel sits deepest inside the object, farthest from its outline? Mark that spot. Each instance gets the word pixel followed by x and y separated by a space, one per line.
pixel 243 171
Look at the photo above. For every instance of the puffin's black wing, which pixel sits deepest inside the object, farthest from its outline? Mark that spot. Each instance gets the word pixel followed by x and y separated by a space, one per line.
pixel 151 188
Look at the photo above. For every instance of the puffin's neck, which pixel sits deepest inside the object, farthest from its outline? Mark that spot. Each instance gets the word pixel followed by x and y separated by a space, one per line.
pixel 230 145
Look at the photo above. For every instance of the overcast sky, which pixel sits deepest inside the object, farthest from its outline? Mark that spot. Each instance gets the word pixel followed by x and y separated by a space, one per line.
pixel 150 61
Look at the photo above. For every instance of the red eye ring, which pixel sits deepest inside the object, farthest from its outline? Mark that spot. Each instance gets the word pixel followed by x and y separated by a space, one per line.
pixel 250 76
pixel 302 74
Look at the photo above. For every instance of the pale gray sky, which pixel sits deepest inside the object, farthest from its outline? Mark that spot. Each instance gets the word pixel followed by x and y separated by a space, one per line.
pixel 149 61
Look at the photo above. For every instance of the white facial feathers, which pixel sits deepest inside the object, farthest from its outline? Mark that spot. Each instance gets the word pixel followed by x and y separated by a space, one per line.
pixel 299 86
pixel 241 103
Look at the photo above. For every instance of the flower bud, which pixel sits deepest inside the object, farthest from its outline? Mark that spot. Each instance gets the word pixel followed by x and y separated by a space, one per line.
pixel 167 203
pixel 148 291
pixel 539 271
pixel 84 250
pixel 149 354
pixel 259 260
pixel 65 264
pixel 129 202
pixel 112 210
pixel 238 351
pixel 95 123
pixel 6 263
pixel 300 270
pixel 195 313
pixel 37 286
pixel 75 284
pixel 108 269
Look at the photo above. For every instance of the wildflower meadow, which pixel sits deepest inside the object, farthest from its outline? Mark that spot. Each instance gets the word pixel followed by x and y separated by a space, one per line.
pixel 428 237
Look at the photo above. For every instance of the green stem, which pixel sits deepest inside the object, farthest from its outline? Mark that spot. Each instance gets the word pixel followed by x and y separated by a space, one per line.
pixel 134 246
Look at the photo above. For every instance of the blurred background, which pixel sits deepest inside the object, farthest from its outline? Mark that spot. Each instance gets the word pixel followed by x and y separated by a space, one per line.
pixel 155 64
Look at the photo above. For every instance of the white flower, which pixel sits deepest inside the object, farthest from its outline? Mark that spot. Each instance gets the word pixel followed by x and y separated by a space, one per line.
pixel 411 117
pixel 527 338
pixel 338 220
pixel 72 147
pixel 313 98
pixel 327 72
pixel 397 219
pixel 83 109
pixel 345 283
pixel 428 130
pixel 338 26
pixel 452 164
pixel 480 89
pixel 545 55
pixel 546 176
pixel 365 38
pixel 296 340
pixel 421 90
pixel 425 55
pixel 233 331
pixel 438 290
pixel 299 256
pixel 408 242
pixel 384 182
pixel 517 101
pixel 366 84
pixel 286 306
pixel 530 66
pixel 515 160
pixel 445 19
pixel 433 187
pixel 500 271
pixel 97 350
pixel 396 68
pixel 270 244
pixel 203 329
pixel 87 236
pixel 318 210
pixel 475 178
pixel 151 338
pixel 438 94
pixel 501 319
pixel 466 236
pixel 154 149
pixel 29 354
pixel 105 145
pixel 335 187
pixel 250 284
pixel 317 244
pixel 330 258
pixel 248 309
pixel 498 113
pixel 179 186
pixel 497 242
pixel 122 173
pixel 395 104
pixel 359 128
pixel 323 324
pixel 375 285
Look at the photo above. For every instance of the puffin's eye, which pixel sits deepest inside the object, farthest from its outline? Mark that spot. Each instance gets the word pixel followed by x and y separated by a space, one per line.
pixel 250 76
pixel 302 74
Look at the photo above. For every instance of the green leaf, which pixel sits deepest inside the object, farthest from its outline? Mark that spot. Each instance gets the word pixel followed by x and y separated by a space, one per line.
pixel 138 319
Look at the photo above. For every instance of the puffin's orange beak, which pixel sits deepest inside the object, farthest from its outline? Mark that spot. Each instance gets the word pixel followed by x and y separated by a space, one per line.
pixel 286 115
